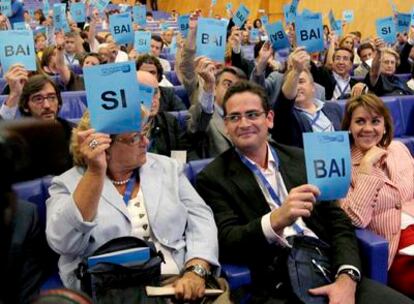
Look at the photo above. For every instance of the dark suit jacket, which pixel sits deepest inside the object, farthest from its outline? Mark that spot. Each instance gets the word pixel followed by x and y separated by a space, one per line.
pixel 289 124
pixel 238 203
pixel 166 135
pixel 169 101
pixel 30 260
pixel 325 78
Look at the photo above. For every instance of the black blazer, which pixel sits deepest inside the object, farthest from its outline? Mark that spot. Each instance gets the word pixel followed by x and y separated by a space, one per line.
pixel 289 124
pixel 238 203
pixel 169 101
pixel 325 78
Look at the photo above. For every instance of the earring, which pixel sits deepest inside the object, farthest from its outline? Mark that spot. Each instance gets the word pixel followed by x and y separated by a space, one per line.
pixel 385 132
pixel 349 131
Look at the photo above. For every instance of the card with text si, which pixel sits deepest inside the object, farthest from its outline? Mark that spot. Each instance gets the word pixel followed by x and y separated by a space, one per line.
pixel 77 10
pixel 142 42
pixel 211 38
pixel 241 15
pixel 277 36
pixel 386 29
pixel 113 105
pixel 328 162
pixel 121 28
pixel 309 32
pixel 100 4
pixel 17 46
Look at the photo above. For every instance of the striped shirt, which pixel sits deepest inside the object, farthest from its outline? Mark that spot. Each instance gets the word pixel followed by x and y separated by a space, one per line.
pixel 377 201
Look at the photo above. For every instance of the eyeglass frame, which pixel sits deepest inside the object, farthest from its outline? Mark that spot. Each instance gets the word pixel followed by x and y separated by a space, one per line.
pixel 42 99
pixel 239 116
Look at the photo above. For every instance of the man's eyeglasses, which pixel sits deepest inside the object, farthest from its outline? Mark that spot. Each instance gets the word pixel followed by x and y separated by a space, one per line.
pixel 39 99
pixel 131 140
pixel 250 115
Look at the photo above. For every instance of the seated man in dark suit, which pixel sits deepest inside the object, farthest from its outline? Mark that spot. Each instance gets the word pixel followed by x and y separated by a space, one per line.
pixel 259 197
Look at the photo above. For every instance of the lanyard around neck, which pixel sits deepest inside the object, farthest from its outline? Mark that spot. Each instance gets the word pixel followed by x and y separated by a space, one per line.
pixel 129 188
pixel 266 183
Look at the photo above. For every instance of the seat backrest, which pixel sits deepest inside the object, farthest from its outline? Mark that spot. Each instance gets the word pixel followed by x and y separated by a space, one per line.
pixel 407 113
pixel 182 117
pixel 172 77
pixel 74 105
pixel 181 92
pixel 192 168
pixel 392 103
pixel 35 191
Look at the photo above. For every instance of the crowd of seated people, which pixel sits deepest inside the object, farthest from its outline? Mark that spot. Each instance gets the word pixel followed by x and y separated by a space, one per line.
pixel 249 113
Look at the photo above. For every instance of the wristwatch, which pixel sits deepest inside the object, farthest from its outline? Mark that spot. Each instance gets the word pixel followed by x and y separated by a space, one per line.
pixel 353 274
pixel 198 270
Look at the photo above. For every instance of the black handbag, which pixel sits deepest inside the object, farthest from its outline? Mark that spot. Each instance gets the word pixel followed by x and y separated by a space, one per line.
pixel 112 283
pixel 309 267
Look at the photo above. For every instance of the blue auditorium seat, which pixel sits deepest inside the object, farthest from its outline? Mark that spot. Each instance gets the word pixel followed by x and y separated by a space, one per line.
pixel 73 105
pixel 181 92
pixel 172 77
pixel 182 117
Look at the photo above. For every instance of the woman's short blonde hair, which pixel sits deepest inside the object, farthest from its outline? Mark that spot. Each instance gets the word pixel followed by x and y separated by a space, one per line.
pixel 83 125
pixel 393 53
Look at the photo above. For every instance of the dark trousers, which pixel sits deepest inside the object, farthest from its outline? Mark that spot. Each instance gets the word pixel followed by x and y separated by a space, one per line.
pixel 368 292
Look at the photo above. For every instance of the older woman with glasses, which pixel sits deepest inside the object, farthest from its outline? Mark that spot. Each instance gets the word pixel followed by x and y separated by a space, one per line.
pixel 118 189
pixel 381 196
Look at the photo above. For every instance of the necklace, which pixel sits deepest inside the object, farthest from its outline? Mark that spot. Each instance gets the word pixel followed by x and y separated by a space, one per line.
pixel 121 182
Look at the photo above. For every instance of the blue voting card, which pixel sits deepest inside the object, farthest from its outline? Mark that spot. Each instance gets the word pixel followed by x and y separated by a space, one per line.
pixel 183 25
pixel 100 4
pixel 17 46
pixel 146 94
pixel 164 26
pixel 348 16
pixel 173 45
pixel 328 162
pixel 264 19
pixel 254 35
pixel 293 8
pixel 229 6
pixel 142 42
pixel 332 20
pixel 140 14
pixel 277 36
pixel 211 38
pixel 77 10
pixel 403 22
pixel 59 16
pixel 386 29
pixel 309 32
pixel 39 29
pixel 19 25
pixel 412 17
pixel 113 105
pixel 339 31
pixel 241 15
pixel 121 28
pixel 5 7
pixel 46 7
pixel 213 2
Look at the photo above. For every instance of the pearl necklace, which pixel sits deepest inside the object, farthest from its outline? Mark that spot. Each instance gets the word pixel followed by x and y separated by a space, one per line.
pixel 121 182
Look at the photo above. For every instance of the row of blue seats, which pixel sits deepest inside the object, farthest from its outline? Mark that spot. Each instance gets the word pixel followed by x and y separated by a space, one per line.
pixel 374 249
pixel 402 112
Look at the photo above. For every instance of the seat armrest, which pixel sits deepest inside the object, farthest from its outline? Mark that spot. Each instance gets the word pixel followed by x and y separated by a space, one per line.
pixel 374 255
pixel 236 275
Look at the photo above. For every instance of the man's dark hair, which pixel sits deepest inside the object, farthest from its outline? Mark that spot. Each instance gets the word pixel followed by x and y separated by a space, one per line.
pixel 232 70
pixel 246 86
pixel 158 39
pixel 150 59
pixel 344 49
pixel 257 48
pixel 364 46
pixel 32 86
pixel 149 14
